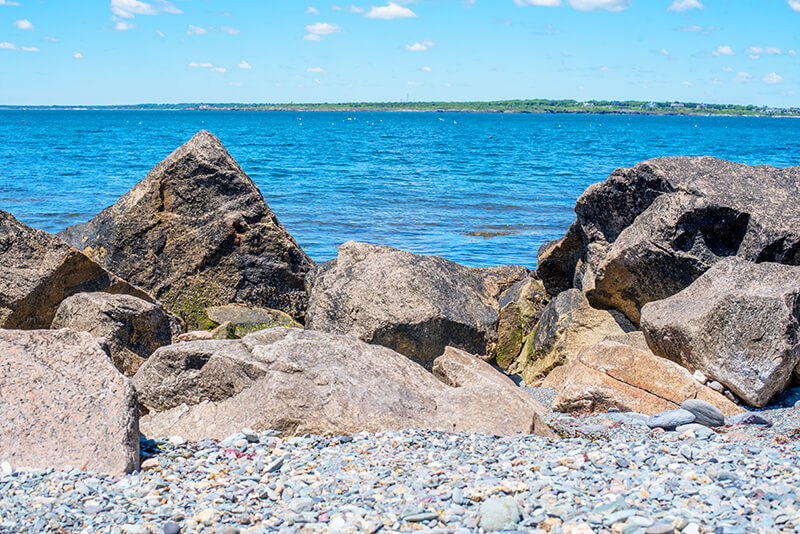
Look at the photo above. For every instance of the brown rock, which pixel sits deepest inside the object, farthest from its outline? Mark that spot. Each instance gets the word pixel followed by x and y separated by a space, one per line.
pixel 520 308
pixel 196 232
pixel 302 381
pixel 39 271
pixel 195 335
pixel 133 328
pixel 457 368
pixel 63 403
pixel 612 375
pixel 567 324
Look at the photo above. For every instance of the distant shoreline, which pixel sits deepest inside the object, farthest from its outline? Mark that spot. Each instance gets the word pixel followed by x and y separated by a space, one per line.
pixel 535 107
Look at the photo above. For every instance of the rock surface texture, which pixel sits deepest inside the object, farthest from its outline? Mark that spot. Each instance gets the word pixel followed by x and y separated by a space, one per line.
pixel 457 368
pixel 133 328
pixel 649 231
pixel 415 305
pixel 520 309
pixel 38 271
pixel 567 324
pixel 63 403
pixel 739 324
pixel 236 320
pixel 196 232
pixel 306 382
pixel 612 375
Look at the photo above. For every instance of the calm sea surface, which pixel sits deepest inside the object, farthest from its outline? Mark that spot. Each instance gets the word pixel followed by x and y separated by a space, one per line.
pixel 416 181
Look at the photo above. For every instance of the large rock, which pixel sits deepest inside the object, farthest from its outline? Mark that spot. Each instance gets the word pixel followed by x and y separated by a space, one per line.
pixel 38 271
pixel 234 321
pixel 739 324
pixel 64 404
pixel 457 368
pixel 520 309
pixel 416 305
pixel 567 324
pixel 196 232
pixel 133 328
pixel 613 375
pixel 301 381
pixel 648 232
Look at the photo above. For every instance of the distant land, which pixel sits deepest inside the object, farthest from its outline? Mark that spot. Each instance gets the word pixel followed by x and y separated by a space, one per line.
pixel 628 107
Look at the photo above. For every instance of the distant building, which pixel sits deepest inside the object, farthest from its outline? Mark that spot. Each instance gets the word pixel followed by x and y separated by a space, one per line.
pixel 676 105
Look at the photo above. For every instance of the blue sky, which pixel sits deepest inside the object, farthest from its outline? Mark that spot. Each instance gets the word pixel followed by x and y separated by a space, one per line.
pixel 134 51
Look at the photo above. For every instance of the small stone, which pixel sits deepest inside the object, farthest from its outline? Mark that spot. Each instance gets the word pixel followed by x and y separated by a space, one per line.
pixel 700 431
pixel 177 441
pixel 498 512
pixel 548 524
pixel 230 530
pixel 670 419
pixel 661 528
pixel 171 528
pixel 749 418
pixel 797 404
pixel 6 469
pixel 206 516
pixel 150 463
pixel 700 376
pixel 250 436
pixel 704 412
pixel 716 386
pixel 423 516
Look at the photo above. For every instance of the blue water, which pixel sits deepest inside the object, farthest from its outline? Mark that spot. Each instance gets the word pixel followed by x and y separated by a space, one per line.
pixel 416 181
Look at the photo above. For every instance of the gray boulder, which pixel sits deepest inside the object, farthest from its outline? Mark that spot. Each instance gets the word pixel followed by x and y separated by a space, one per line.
pixel 133 328
pixel 307 382
pixel 670 419
pixel 739 324
pixel 415 305
pixel 196 232
pixel 704 412
pixel 649 231
pixel 39 271
pixel 64 404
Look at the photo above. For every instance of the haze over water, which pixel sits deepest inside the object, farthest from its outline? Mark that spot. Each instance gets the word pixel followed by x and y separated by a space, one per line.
pixel 416 181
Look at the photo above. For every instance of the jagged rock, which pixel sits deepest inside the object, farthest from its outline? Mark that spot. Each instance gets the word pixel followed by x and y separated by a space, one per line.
pixel 196 232
pixel 63 403
pixel 520 308
pixel 133 328
pixel 739 324
pixel 567 324
pixel 612 375
pixel 416 305
pixel 306 382
pixel 648 232
pixel 457 368
pixel 39 271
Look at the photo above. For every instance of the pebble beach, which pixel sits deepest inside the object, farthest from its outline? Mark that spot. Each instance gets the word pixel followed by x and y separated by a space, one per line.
pixel 608 473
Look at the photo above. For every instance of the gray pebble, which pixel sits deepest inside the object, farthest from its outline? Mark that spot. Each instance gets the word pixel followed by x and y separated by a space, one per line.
pixel 704 412
pixel 498 512
pixel 670 419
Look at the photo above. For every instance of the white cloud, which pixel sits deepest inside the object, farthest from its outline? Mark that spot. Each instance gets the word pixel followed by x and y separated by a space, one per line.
pixel 160 33
pixel 427 69
pixel 715 81
pixel 196 30
pixel 794 4
pixel 23 24
pixel 316 31
pixel 687 84
pixel 390 11
pixel 727 69
pixel 545 3
pixel 723 51
pixel 772 51
pixel 350 9
pixel 773 78
pixel 201 65
pixel 704 30
pixel 312 10
pixel 229 30
pixel 244 65
pixel 219 69
pixel 743 77
pixel 606 5
pixel 77 55
pixel 664 52
pixel 420 47
pixel 124 25
pixel 685 5
pixel 8 3
pixel 51 39
pixel 416 83
pixel 754 52
pixel 792 53
pixel 235 84
pixel 10 46
pixel 128 9
pixel 318 70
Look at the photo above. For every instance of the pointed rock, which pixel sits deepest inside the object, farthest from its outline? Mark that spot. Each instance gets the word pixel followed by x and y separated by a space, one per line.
pixel 39 271
pixel 196 232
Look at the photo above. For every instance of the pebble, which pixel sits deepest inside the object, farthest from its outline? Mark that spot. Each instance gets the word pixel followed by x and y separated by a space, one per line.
pixel 670 419
pixel 171 528
pixel 698 430
pixel 498 512
pixel 6 469
pixel 749 418
pixel 704 412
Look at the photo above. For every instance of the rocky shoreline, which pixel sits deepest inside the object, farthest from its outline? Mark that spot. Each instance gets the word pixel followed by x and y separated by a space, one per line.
pixel 659 341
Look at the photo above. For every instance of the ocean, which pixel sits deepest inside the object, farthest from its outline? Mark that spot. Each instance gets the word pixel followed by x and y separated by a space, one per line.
pixel 477 188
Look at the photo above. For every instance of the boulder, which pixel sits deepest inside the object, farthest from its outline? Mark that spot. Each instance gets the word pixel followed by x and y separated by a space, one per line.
pixel 133 328
pixel 64 404
pixel 739 324
pixel 415 305
pixel 307 382
pixel 196 232
pixel 704 412
pixel 567 324
pixel 613 375
pixel 39 271
pixel 457 368
pixel 520 308
pixel 649 231
pixel 235 321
